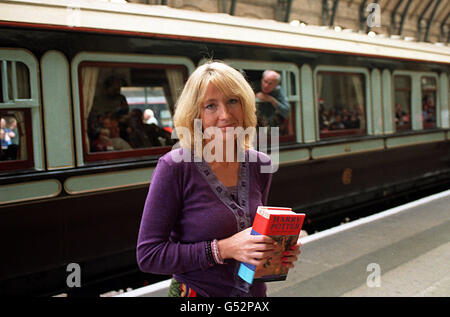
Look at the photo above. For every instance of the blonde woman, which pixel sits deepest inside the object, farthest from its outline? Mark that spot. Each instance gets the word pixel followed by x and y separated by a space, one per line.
pixel 198 212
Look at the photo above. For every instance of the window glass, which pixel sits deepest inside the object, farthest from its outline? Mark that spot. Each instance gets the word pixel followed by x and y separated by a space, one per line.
pixel 402 86
pixel 9 81
pixel 428 102
pixel 129 107
pixel 293 86
pixel 20 89
pixel 23 81
pixel 13 136
pixel 272 106
pixel 342 104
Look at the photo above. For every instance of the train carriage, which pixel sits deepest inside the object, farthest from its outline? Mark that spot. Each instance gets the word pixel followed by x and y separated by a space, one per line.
pixel 368 120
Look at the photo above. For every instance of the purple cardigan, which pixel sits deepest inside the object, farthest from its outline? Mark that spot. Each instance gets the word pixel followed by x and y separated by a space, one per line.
pixel 186 206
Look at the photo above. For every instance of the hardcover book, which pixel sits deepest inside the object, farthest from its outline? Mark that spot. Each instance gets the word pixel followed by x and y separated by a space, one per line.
pixel 281 224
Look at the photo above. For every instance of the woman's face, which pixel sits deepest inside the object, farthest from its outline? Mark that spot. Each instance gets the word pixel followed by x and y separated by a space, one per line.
pixel 217 110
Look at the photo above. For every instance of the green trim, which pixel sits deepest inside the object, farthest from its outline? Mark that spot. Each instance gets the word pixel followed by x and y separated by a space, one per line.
pixel 414 139
pixel 107 181
pixel 308 112
pixel 377 110
pixel 29 191
pixel 347 148
pixel 57 110
pixel 388 102
pixel 293 156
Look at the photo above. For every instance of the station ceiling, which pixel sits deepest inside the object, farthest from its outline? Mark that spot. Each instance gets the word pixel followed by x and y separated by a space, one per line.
pixel 418 20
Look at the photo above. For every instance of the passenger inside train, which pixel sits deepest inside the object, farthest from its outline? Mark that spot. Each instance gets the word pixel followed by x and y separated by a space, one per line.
pixel 341 104
pixel 118 119
pixel 272 105
pixel 9 138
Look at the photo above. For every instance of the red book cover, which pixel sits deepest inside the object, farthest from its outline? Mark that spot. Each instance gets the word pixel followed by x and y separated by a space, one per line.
pixel 281 224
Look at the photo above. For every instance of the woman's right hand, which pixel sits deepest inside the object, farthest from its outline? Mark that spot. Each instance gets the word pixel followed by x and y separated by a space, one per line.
pixel 244 247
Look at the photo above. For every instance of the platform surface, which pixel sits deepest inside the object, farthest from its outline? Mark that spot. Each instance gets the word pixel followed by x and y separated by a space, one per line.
pixel 409 245
pixel 403 251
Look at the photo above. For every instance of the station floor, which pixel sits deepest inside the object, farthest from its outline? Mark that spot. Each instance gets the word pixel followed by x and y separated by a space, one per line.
pixel 404 251
pixel 409 246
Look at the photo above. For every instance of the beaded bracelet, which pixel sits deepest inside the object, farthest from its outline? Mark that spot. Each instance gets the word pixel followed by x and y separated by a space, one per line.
pixel 215 250
pixel 209 253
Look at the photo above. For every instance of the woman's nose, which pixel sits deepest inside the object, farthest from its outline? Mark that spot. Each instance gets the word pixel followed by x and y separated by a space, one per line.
pixel 223 111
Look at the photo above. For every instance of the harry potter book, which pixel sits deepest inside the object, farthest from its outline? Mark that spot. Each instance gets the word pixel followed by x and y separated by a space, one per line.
pixel 281 224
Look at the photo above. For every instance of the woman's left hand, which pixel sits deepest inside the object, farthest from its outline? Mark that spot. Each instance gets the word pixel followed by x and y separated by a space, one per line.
pixel 291 256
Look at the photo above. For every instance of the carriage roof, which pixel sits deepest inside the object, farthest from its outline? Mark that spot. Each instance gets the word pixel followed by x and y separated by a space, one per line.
pixel 163 21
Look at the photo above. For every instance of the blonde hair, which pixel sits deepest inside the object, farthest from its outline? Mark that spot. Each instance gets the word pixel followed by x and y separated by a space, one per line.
pixel 229 82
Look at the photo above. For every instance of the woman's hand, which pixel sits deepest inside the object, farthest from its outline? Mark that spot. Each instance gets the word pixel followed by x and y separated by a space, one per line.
pixel 289 257
pixel 251 249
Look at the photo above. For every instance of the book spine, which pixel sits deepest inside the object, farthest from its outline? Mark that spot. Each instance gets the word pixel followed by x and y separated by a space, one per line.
pixel 246 270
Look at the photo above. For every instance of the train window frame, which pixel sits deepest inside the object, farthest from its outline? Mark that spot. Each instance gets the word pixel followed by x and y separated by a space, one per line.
pixel 416 98
pixel 128 60
pixel 30 106
pixel 369 130
pixel 283 68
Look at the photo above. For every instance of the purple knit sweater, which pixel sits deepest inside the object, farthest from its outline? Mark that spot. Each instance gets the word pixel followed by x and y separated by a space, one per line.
pixel 186 206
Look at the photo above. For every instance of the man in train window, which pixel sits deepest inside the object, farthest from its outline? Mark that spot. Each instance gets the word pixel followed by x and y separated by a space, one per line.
pixel 110 99
pixel 273 107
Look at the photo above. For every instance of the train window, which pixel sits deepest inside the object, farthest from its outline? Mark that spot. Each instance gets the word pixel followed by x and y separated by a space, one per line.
pixel 402 86
pixel 429 91
pixel 15 139
pixel 23 81
pixel 127 108
pixel 15 81
pixel 275 106
pixel 341 101
pixel 20 108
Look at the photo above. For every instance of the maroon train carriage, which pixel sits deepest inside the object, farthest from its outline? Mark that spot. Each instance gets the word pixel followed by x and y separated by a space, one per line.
pixel 368 123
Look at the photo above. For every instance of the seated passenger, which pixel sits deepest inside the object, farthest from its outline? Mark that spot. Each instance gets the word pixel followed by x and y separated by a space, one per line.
pixel 149 117
pixel 110 100
pixel 354 121
pixel 103 142
pixel 9 140
pixel 337 124
pixel 114 134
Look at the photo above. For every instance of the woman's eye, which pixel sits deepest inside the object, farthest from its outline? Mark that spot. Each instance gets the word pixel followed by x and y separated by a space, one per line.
pixel 233 101
pixel 210 107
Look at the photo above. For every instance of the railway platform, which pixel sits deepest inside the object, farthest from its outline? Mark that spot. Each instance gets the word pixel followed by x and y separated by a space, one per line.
pixel 400 252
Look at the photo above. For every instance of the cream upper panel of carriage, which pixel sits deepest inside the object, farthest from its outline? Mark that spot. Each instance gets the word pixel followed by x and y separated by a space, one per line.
pixel 131 17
